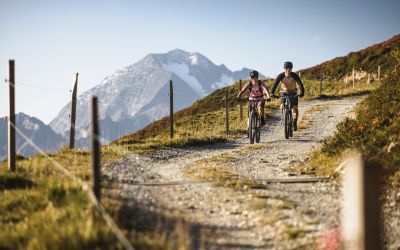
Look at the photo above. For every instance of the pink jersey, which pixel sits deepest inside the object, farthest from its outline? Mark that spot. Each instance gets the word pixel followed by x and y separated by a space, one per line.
pixel 255 90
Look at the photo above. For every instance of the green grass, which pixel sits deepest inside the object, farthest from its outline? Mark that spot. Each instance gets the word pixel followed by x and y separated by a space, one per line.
pixel 332 89
pixel 40 208
pixel 294 232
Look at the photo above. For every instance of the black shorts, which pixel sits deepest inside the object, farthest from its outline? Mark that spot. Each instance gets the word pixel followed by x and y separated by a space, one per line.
pixel 294 99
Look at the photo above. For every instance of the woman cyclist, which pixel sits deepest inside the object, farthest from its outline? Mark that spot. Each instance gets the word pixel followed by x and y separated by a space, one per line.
pixel 257 90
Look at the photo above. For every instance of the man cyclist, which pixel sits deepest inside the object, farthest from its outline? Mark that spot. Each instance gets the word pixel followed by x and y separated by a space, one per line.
pixel 288 80
pixel 257 90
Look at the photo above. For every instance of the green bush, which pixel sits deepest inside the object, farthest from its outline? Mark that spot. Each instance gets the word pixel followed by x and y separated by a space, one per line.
pixel 376 130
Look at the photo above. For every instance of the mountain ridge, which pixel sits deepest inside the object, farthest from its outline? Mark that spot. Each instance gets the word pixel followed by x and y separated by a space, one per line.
pixel 140 91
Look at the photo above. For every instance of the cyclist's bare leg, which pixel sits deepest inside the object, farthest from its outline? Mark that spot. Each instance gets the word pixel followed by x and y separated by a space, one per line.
pixel 295 111
pixel 262 113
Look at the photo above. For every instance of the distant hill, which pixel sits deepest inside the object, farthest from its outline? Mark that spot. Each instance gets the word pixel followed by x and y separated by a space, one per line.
pixel 364 61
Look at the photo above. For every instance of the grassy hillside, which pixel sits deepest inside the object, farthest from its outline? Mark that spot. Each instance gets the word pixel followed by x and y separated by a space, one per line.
pixel 375 131
pixel 366 60
pixel 213 102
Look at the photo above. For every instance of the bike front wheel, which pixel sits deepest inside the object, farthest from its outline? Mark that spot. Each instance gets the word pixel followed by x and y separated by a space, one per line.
pixel 252 126
pixel 291 125
pixel 287 124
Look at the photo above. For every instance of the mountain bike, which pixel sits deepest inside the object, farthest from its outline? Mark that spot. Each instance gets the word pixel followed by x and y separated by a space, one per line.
pixel 254 120
pixel 287 114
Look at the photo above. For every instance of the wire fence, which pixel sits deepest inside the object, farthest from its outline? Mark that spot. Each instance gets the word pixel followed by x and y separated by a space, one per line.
pixel 95 202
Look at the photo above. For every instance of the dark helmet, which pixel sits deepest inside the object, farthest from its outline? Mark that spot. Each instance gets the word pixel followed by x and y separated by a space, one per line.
pixel 254 74
pixel 288 65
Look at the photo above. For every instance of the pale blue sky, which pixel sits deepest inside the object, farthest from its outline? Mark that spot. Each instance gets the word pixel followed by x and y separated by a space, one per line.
pixel 52 39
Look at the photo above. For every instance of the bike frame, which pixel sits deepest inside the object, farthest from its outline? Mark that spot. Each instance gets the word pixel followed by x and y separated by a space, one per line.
pixel 288 111
pixel 254 119
pixel 254 110
pixel 253 105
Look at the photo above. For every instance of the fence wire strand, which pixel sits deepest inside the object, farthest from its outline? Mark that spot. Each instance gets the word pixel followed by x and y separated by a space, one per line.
pixel 36 86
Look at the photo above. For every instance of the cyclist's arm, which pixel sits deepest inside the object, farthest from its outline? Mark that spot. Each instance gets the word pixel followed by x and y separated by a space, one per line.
pixel 276 83
pixel 265 90
pixel 298 80
pixel 243 90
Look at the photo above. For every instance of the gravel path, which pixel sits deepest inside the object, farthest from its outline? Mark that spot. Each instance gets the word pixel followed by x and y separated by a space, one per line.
pixel 273 216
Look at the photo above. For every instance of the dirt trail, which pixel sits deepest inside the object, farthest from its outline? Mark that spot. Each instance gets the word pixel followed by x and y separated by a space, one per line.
pixel 271 216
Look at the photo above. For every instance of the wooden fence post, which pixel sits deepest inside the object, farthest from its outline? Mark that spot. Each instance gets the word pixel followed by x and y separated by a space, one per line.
pixel 361 220
pixel 11 118
pixel 95 148
pixel 73 112
pixel 240 103
pixel 320 83
pixel 369 78
pixel 171 110
pixel 379 74
pixel 226 111
pixel 353 80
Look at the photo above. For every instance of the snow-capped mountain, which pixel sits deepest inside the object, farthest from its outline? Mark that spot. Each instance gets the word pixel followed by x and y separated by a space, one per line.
pixel 138 94
pixel 40 133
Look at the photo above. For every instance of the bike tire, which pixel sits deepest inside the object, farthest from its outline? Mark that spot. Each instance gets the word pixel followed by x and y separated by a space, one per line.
pixel 291 125
pixel 287 124
pixel 251 127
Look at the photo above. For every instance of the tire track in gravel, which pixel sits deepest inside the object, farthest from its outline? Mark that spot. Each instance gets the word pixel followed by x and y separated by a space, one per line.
pixel 278 216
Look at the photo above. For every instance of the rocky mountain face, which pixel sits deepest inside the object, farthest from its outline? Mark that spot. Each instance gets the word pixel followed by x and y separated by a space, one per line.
pixel 38 132
pixel 136 95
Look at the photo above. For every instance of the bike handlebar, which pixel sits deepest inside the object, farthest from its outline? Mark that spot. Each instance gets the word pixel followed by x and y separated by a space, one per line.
pixel 284 95
pixel 248 100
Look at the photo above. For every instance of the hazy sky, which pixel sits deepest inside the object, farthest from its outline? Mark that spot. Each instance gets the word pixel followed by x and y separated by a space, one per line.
pixel 52 39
